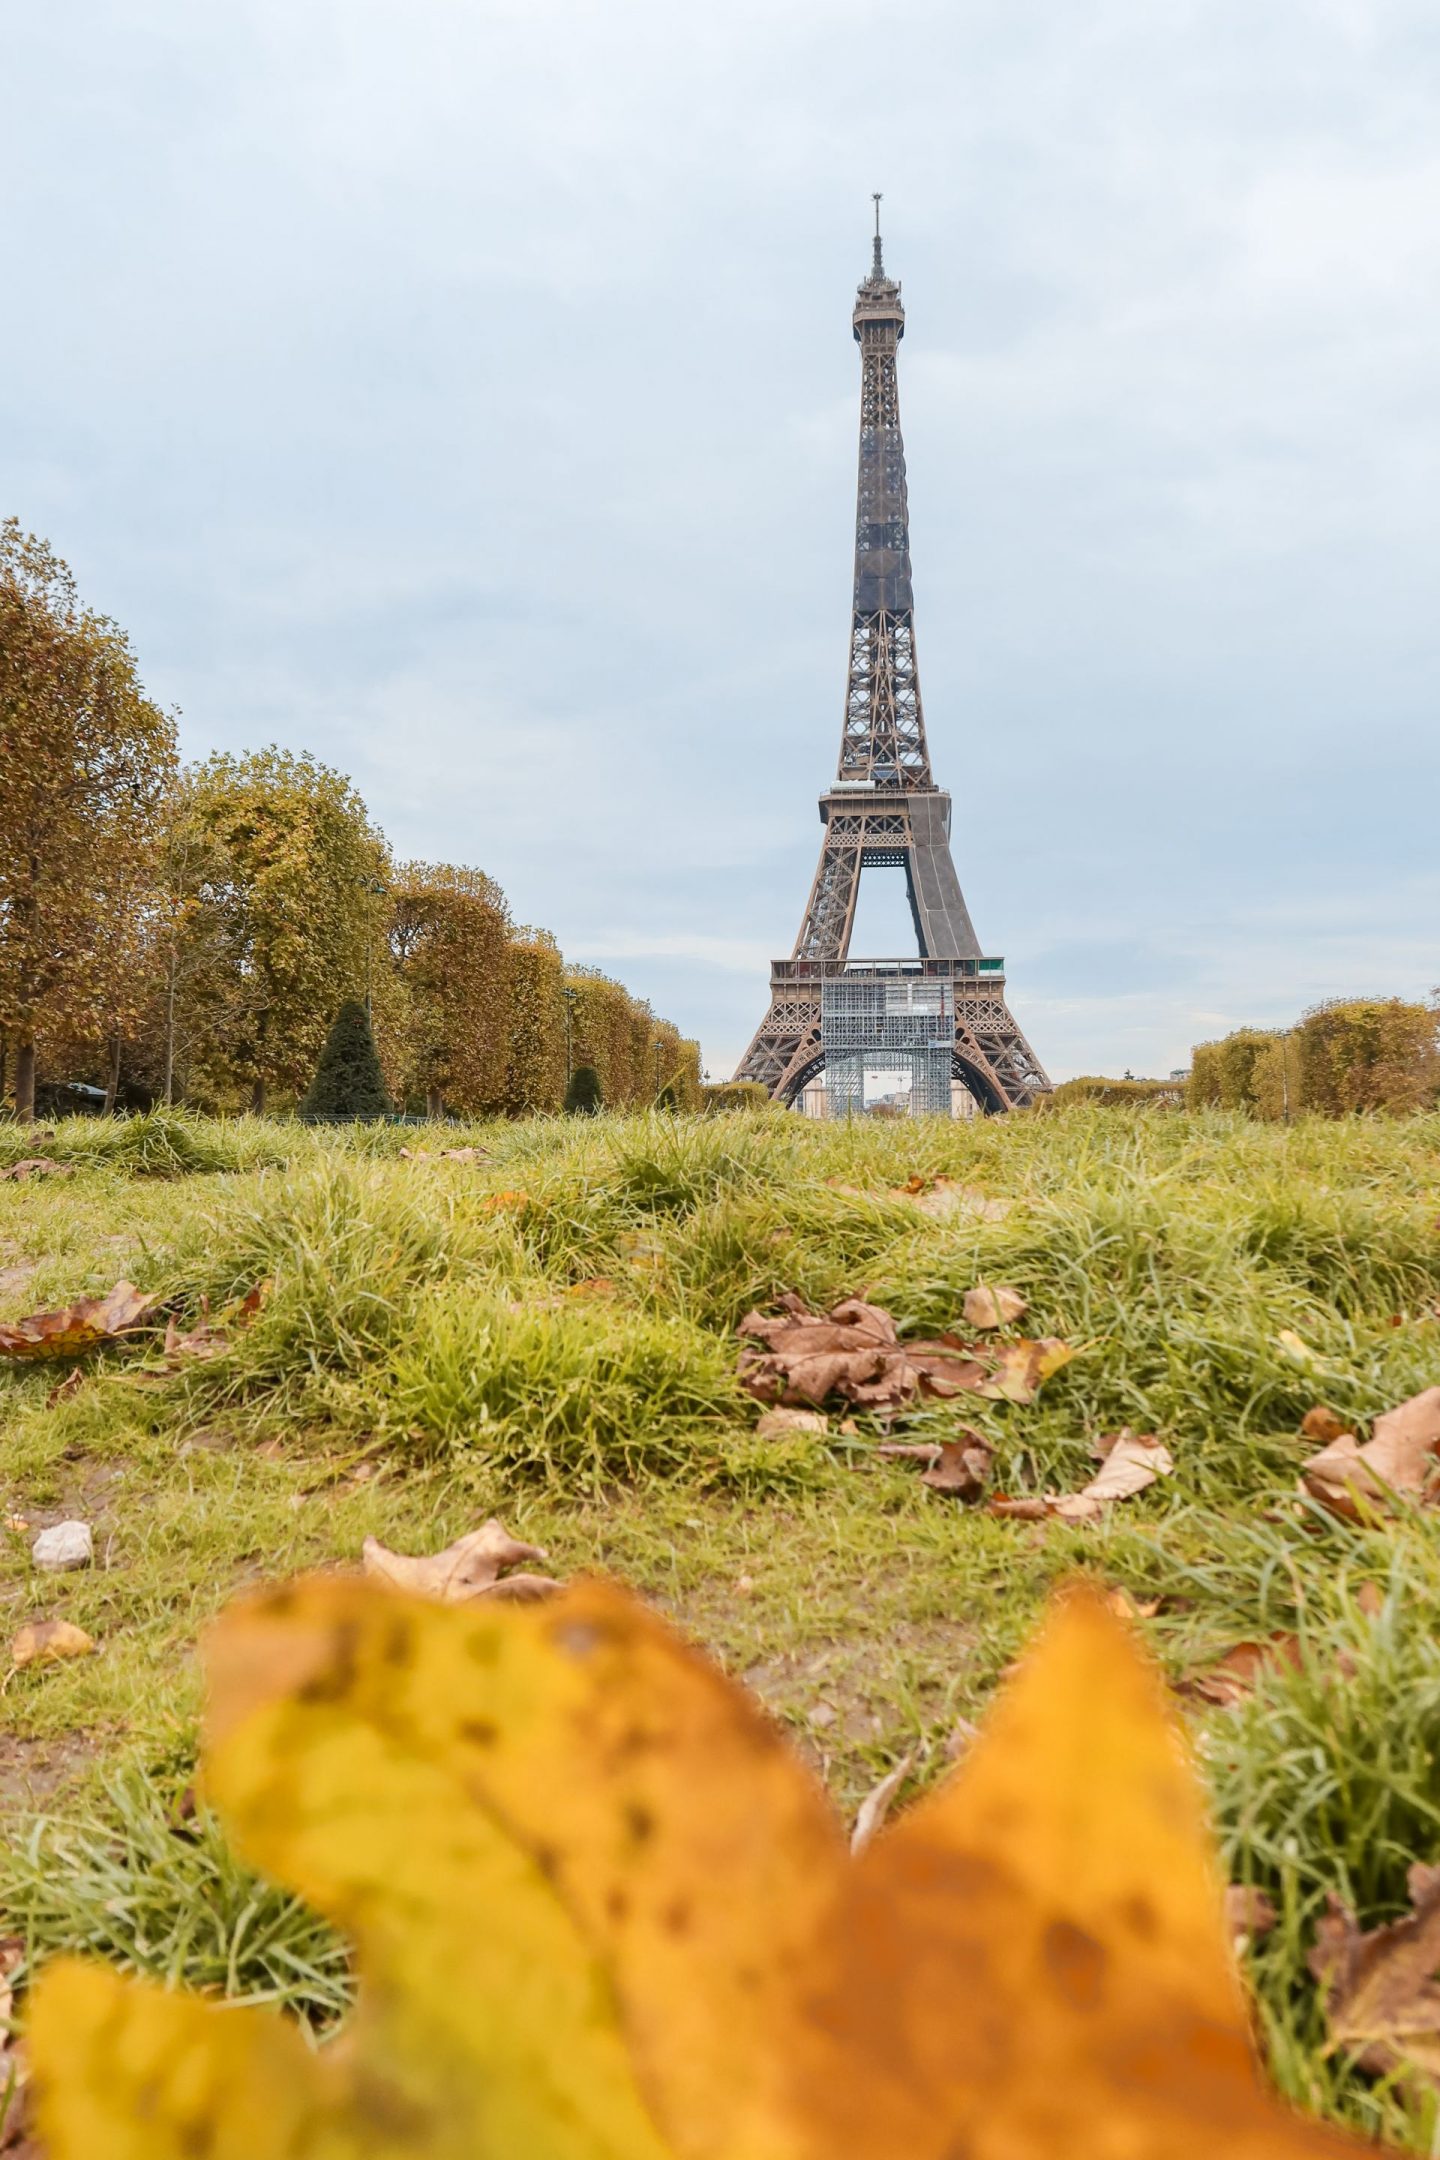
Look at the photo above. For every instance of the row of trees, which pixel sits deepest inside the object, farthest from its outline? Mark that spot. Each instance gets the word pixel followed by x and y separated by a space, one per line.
pixel 189 935
pixel 1352 1054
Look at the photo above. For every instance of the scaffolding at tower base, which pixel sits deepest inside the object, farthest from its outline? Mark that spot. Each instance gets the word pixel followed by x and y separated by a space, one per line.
pixel 876 1018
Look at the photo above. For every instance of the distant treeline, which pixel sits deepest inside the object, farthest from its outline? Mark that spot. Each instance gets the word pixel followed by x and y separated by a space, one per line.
pixel 190 934
pixel 1351 1054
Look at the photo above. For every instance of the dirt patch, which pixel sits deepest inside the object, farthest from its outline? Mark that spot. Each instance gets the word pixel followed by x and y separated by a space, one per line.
pixel 32 1771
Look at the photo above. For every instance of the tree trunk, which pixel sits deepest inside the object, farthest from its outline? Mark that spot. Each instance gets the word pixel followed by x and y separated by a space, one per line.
pixel 257 1098
pixel 112 1079
pixel 434 1103
pixel 25 1079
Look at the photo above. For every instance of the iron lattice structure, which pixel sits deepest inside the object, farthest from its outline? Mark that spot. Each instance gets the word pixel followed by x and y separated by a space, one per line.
pixel 828 1011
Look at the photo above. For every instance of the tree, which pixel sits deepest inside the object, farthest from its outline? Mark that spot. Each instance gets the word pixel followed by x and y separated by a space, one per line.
pixel 86 758
pixel 449 930
pixel 288 909
pixel 348 1082
pixel 584 1096
pixel 535 1039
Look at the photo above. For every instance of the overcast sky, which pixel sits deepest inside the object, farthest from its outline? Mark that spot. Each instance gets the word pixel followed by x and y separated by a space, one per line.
pixel 465 392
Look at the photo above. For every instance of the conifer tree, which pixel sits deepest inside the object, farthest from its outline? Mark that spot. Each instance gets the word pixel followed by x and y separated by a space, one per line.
pixel 584 1095
pixel 347 1082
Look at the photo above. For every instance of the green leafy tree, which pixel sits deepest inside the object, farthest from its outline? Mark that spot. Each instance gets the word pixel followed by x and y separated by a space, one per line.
pixel 449 939
pixel 85 760
pixel 584 1096
pixel 288 907
pixel 535 1037
pixel 348 1082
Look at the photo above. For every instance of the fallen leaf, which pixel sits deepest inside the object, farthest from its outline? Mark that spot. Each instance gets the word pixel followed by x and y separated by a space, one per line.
pixel 854 1352
pixel 1023 1366
pixel 943 1197
pixel 40 1640
pixel 963 1468
pixel 474 1566
pixel 64 1389
pixel 36 1166
pixel 962 1733
pixel 464 1154
pixel 83 1326
pixel 1249 1913
pixel 600 1909
pixel 1371 1600
pixel 987 1308
pixel 1323 1424
pixel 1382 2000
pixel 593 1286
pixel 1353 1481
pixel 1295 1348
pixel 775 1424
pixel 503 1203
pixel 873 1809
pixel 1130 1462
pixel 1126 1607
pixel 1232 1677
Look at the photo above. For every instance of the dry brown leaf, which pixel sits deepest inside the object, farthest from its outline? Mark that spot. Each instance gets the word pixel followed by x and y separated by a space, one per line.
pixel 1023 1366
pixel 1382 2000
pixel 36 1166
pixel 39 1640
pixel 1131 1461
pixel 474 1566
pixel 593 1286
pixel 1127 1607
pixel 776 1424
pixel 1354 1480
pixel 505 1203
pixel 83 1326
pixel 853 1351
pixel 209 1338
pixel 1324 1424
pixel 1249 1913
pixel 1232 1677
pixel 1371 1600
pixel 873 1809
pixel 963 1468
pixel 985 1307
pixel 64 1389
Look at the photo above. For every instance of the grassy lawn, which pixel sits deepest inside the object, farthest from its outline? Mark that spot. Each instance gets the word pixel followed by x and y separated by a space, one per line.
pixel 433 1351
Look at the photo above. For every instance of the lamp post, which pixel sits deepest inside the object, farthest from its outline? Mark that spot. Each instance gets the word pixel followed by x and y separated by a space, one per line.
pixel 569 996
pixel 375 887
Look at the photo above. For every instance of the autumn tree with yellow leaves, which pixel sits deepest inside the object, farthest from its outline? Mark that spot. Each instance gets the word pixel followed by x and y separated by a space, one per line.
pixel 86 759
pixel 285 919
pixel 449 942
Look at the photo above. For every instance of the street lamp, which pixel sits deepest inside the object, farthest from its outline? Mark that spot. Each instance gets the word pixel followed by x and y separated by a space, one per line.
pixel 570 997
pixel 373 886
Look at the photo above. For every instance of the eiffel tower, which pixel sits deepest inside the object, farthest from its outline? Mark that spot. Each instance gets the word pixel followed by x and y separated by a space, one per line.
pixel 943 1015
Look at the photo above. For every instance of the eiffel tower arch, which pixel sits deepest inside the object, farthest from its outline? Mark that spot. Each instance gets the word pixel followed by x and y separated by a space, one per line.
pixel 945 1013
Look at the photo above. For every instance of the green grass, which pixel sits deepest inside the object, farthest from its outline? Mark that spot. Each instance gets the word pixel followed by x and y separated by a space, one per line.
pixel 424 1359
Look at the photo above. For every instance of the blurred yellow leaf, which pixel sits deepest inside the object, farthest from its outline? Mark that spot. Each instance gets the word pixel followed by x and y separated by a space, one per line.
pixel 601 1910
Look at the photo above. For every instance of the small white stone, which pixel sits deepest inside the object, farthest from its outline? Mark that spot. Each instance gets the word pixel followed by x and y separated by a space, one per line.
pixel 64 1545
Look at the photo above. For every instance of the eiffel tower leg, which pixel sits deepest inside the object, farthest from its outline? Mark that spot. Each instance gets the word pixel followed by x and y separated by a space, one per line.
pixel 785 1043
pixel 992 1056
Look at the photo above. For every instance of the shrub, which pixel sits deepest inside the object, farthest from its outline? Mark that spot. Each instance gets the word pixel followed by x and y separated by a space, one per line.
pixel 734 1095
pixel 347 1082
pixel 584 1096
pixel 1224 1075
pixel 1131 1094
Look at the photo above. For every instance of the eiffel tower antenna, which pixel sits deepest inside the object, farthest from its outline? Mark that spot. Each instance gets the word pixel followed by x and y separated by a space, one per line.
pixel 943 1014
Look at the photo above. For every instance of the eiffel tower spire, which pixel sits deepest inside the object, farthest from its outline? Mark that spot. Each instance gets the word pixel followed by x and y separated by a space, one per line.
pixel 827 1010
